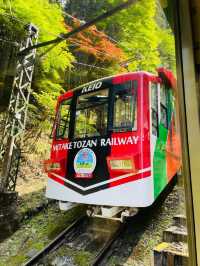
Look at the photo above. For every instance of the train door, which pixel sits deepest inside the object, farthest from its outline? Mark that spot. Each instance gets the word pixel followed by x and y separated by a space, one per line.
pixel 159 135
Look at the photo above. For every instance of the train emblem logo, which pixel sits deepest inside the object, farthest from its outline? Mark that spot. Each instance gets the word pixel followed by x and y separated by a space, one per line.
pixel 84 163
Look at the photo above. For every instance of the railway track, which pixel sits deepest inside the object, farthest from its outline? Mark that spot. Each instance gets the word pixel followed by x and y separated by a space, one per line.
pixel 102 253
pixel 83 234
pixel 96 235
pixel 54 244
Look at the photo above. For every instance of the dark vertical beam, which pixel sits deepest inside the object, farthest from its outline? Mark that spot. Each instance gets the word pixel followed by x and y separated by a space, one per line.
pixel 189 122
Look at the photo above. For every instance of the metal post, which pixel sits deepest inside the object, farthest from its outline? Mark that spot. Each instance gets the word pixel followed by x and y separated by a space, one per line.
pixel 17 112
pixel 188 93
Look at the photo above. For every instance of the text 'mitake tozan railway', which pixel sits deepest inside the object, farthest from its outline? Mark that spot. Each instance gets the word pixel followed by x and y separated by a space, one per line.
pixel 115 144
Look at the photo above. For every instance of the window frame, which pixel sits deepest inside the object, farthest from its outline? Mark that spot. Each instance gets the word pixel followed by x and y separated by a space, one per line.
pixel 164 106
pixel 121 87
pixel 57 121
pixel 153 109
pixel 75 110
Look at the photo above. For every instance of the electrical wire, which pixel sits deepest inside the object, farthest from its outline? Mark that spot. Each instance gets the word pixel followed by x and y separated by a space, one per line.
pixel 106 35
pixel 103 53
pixel 66 36
pixel 76 43
pixel 23 22
pixel 81 21
pixel 63 38
pixel 92 66
pixel 50 33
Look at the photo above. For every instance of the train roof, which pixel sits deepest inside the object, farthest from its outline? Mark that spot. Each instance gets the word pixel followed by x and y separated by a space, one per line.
pixel 113 76
pixel 163 73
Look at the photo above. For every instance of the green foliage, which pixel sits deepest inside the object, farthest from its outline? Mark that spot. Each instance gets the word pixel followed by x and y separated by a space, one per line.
pixel 141 30
pixel 167 49
pixel 93 48
pixel 63 219
pixel 51 64
pixel 83 258
pixel 37 232
pixel 140 36
pixel 39 246
pixel 167 44
pixel 16 260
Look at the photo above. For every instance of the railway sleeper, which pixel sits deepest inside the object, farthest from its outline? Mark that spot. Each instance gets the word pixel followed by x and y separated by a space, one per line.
pixel 173 254
pixel 173 250
pixel 175 234
pixel 179 220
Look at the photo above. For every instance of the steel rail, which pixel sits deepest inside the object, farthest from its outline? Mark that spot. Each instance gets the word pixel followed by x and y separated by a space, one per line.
pixel 104 250
pixel 54 243
pixel 60 239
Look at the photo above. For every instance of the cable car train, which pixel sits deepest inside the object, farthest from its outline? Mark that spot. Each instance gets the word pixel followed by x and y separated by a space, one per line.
pixel 115 144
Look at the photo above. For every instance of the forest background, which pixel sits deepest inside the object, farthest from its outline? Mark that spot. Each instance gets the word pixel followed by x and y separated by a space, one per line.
pixel 139 35
pixel 138 38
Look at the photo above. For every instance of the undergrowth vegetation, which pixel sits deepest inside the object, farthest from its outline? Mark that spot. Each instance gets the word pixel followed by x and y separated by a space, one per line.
pixel 34 234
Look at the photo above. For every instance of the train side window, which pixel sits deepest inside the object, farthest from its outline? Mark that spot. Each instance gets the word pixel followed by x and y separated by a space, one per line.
pixel 62 120
pixel 125 107
pixel 163 106
pixel 154 108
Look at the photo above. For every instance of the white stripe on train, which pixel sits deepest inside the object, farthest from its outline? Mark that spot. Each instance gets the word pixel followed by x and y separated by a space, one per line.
pixel 103 182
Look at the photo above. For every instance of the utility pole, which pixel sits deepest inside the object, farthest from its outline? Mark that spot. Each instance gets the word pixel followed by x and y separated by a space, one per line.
pixel 10 151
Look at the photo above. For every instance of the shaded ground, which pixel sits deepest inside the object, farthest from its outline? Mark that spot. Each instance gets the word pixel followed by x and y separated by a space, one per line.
pixel 31 177
pixel 31 185
pixel 31 204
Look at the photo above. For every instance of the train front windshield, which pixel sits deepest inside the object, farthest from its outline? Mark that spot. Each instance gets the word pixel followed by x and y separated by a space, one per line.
pixel 93 113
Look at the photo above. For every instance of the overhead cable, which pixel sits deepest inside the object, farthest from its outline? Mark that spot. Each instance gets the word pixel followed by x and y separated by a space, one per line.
pixel 50 33
pixel 92 66
pixel 82 21
pixel 104 53
pixel 23 22
pixel 62 37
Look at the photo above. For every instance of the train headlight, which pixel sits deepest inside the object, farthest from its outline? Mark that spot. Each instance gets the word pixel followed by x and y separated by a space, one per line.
pixel 126 164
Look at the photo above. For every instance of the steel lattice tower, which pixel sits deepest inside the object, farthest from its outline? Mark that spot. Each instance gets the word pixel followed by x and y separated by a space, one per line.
pixel 17 112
